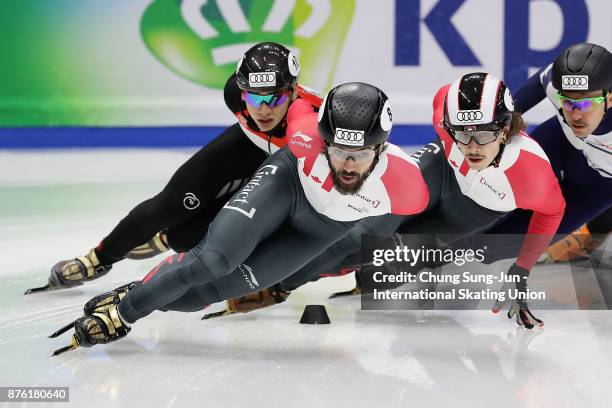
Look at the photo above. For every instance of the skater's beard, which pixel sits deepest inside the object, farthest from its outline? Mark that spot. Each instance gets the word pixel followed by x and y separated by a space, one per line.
pixel 351 188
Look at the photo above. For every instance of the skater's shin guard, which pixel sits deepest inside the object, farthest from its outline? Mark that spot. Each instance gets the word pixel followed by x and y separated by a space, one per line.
pixel 195 299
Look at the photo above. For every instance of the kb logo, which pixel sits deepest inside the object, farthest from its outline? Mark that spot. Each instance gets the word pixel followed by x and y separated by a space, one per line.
pixel 473 116
pixel 261 79
pixel 579 82
pixel 349 137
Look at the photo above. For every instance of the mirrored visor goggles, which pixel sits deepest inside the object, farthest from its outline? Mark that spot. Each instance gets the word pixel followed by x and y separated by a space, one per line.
pixel 362 155
pixel 583 104
pixel 272 100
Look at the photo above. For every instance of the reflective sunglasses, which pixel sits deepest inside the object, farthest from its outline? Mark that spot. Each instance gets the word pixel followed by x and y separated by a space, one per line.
pixel 359 156
pixel 583 104
pixel 272 100
pixel 481 137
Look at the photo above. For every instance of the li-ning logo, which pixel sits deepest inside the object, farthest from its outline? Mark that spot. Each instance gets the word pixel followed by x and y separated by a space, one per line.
pixel 305 138
pixel 262 79
pixel 239 202
pixel 190 201
pixel 349 137
pixel 499 193
pixel 469 116
pixel 577 82
pixel 249 277
pixel 302 136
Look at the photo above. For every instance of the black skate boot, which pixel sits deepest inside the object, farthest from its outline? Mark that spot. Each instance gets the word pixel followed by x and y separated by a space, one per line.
pixel 101 322
pixel 71 273
pixel 99 328
pixel 153 247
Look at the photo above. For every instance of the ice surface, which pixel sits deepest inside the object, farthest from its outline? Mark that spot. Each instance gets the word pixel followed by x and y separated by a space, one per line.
pixel 56 205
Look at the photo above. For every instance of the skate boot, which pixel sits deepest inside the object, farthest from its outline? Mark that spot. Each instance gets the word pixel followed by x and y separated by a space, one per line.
pixel 258 300
pixel 67 274
pixel 155 246
pixel 579 244
pixel 98 304
pixel 101 322
pixel 99 328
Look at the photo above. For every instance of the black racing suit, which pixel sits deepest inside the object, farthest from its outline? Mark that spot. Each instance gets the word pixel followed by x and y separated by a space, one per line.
pixel 286 215
pixel 602 224
pixel 197 190
pixel 449 211
pixel 284 228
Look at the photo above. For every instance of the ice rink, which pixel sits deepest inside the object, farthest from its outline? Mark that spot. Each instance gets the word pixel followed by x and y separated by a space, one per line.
pixel 56 205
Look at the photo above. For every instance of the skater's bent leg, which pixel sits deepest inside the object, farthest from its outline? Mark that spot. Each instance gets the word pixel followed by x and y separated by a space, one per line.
pixel 344 252
pixel 281 255
pixel 231 238
pixel 227 160
pixel 195 299
pixel 602 224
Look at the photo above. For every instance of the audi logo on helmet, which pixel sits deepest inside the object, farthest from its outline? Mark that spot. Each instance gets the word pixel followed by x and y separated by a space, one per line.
pixel 470 116
pixel 349 137
pixel 262 79
pixel 575 82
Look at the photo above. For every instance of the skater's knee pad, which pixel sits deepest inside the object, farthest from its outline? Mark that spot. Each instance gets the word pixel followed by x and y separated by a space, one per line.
pixel 215 264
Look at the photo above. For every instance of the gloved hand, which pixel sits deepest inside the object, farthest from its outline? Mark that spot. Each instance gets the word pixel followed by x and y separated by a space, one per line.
pixel 518 308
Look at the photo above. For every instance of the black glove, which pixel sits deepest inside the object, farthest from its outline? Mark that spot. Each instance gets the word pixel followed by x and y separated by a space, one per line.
pixel 519 308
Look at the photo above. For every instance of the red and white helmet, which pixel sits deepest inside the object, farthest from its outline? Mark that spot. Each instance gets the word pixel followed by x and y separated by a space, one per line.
pixel 478 101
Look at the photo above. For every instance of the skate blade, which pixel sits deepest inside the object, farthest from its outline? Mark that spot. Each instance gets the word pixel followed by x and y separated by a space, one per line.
pixel 215 315
pixel 73 345
pixel 351 292
pixel 48 287
pixel 63 330
pixel 39 289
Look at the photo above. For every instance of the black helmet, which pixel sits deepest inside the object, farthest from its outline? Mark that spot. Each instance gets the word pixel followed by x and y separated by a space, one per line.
pixel 355 114
pixel 478 101
pixel 267 67
pixel 583 67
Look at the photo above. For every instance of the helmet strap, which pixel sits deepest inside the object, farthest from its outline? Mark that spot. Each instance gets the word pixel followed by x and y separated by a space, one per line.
pixel 278 130
pixel 378 149
pixel 497 159
pixel 450 132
